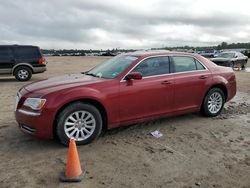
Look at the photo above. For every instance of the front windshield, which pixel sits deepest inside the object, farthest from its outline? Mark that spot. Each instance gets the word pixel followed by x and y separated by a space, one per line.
pixel 113 67
pixel 226 55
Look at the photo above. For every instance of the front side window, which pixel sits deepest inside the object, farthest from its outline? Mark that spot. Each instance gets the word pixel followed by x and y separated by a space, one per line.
pixel 153 66
pixel 113 67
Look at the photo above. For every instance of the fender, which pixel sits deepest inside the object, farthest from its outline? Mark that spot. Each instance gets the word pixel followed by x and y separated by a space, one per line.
pixel 22 64
pixel 75 94
pixel 217 79
pixel 220 80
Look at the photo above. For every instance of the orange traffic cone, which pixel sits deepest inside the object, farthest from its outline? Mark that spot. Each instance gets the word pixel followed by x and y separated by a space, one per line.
pixel 238 66
pixel 73 171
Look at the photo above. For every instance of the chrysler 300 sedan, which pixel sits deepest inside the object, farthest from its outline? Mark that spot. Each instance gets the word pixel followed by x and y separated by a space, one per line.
pixel 126 89
pixel 231 59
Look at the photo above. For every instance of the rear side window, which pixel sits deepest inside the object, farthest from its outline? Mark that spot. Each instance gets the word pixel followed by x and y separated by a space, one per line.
pixel 5 53
pixel 153 66
pixel 199 65
pixel 184 64
pixel 27 52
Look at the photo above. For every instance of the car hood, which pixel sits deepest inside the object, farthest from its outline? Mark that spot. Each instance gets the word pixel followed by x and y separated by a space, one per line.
pixel 61 82
pixel 220 59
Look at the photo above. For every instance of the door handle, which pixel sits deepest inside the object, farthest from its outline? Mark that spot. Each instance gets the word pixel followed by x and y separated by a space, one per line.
pixel 203 77
pixel 166 82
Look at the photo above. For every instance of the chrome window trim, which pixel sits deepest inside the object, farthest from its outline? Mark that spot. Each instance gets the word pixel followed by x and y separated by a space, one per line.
pixel 29 113
pixel 123 79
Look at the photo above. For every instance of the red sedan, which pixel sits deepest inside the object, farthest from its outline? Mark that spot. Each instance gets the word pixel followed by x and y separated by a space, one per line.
pixel 126 89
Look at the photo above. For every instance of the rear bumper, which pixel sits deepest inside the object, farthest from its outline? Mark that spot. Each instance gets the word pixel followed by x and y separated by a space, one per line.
pixel 231 88
pixel 39 69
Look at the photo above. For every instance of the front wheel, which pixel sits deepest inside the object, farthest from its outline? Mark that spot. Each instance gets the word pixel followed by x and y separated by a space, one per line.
pixel 80 121
pixel 213 102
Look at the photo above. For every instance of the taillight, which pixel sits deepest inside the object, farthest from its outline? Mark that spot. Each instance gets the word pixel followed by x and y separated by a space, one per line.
pixel 41 61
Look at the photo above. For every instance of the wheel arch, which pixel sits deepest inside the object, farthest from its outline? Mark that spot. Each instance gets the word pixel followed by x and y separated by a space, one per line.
pixel 220 86
pixel 93 102
pixel 23 65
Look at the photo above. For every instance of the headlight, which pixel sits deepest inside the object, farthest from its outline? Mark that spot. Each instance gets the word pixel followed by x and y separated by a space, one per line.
pixel 35 103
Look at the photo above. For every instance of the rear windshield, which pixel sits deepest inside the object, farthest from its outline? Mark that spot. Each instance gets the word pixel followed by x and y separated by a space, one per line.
pixel 27 52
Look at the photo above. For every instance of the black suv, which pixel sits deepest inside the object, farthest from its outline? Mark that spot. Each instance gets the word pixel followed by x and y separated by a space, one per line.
pixel 21 61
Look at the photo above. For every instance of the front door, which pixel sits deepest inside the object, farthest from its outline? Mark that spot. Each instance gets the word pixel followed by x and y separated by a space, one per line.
pixel 150 96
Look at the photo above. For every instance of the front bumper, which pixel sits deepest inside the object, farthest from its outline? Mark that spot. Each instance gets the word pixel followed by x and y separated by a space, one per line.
pixel 38 124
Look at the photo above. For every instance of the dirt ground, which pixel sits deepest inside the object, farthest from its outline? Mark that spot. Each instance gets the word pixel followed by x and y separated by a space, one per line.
pixel 194 151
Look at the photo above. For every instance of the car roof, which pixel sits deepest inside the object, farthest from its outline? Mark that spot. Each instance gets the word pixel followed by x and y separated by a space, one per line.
pixel 10 45
pixel 147 53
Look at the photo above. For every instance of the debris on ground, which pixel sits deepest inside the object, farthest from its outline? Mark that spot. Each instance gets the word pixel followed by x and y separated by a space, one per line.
pixel 156 134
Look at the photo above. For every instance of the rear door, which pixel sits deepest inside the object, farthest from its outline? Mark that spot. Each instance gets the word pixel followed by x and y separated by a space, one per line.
pixel 191 80
pixel 150 96
pixel 6 59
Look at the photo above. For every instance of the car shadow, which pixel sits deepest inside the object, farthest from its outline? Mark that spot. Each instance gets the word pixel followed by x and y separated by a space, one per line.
pixel 8 80
pixel 4 79
pixel 21 141
pixel 164 122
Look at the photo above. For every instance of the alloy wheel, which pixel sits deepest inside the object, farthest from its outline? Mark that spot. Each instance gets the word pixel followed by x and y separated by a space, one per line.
pixel 80 125
pixel 215 102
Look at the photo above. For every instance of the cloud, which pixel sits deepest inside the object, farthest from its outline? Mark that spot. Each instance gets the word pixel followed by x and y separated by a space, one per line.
pixel 103 24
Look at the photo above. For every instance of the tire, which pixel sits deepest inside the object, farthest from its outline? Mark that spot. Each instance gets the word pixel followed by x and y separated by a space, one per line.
pixel 232 65
pixel 68 122
pixel 214 109
pixel 23 73
pixel 243 65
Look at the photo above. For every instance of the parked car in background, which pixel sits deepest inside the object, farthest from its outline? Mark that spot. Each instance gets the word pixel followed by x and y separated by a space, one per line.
pixel 21 61
pixel 209 53
pixel 126 89
pixel 246 52
pixel 231 59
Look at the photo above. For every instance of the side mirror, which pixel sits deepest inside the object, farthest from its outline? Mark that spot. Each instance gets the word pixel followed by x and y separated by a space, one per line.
pixel 134 76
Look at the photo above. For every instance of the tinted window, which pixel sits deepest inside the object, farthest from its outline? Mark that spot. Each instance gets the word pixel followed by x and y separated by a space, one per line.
pixel 5 53
pixel 199 65
pixel 153 66
pixel 227 55
pixel 183 64
pixel 27 52
pixel 240 55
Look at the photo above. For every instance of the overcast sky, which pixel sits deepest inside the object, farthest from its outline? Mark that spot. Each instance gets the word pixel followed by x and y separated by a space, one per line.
pixel 102 24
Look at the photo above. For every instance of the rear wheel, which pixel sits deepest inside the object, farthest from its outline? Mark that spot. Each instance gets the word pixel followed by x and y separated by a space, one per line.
pixel 213 102
pixel 23 73
pixel 232 65
pixel 243 65
pixel 80 121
